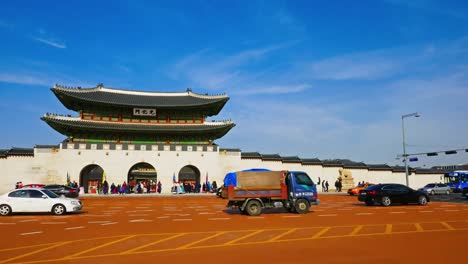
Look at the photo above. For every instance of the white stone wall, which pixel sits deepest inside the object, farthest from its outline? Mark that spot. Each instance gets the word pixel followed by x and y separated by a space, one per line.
pixel 51 166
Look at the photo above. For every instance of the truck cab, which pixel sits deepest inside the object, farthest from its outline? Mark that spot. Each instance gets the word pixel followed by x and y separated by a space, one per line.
pixel 300 186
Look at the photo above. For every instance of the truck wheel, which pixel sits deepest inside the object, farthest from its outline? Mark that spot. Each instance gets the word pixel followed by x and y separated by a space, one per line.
pixel 302 206
pixel 253 208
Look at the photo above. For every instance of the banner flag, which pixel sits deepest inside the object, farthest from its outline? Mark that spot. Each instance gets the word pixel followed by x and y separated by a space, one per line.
pixel 103 177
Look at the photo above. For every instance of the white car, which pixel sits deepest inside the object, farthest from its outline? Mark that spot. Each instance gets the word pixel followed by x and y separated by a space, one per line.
pixel 37 200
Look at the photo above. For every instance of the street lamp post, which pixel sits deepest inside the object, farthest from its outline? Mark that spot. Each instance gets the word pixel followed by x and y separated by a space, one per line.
pixel 405 157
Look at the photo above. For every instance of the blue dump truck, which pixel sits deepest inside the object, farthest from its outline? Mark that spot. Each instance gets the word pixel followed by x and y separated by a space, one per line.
pixel 254 190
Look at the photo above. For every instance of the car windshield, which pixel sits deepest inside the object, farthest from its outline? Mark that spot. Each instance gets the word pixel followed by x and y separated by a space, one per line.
pixel 50 194
pixel 430 185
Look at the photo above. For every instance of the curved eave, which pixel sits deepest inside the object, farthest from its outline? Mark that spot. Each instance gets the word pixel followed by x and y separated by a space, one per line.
pixel 78 99
pixel 69 126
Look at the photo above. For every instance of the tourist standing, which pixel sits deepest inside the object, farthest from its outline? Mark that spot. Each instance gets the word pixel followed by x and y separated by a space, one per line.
pixel 326 186
pixel 159 186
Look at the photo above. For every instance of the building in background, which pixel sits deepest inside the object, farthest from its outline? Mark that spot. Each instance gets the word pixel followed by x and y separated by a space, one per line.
pixel 131 136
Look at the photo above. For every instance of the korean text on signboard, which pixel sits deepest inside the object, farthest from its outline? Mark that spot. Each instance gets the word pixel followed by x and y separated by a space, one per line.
pixel 144 112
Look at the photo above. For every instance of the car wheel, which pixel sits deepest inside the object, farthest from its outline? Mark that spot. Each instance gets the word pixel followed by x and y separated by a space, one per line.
pixel 58 209
pixel 422 200
pixel 302 206
pixel 369 202
pixel 447 192
pixel 386 201
pixel 432 192
pixel 253 208
pixel 5 210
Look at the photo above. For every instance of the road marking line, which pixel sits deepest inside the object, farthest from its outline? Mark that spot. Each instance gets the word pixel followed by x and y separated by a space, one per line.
pixel 243 237
pixel 53 223
pixel 426 211
pixel 364 213
pixel 388 228
pixel 328 215
pixel 35 251
pixel 321 232
pixel 452 210
pixel 221 218
pixel 72 228
pixel 152 243
pixel 282 235
pixel 290 216
pixel 397 212
pixel 205 213
pixel 98 247
pixel 447 226
pixel 201 240
pixel 255 217
pixel 27 220
pixel 111 223
pixel 30 233
pixel 356 230
pixel 139 220
pixel 162 217
pixel 418 227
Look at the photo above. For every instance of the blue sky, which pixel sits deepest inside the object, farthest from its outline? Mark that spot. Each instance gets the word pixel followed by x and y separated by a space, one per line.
pixel 325 79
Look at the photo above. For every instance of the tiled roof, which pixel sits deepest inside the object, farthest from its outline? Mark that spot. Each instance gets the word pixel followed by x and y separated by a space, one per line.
pixel 349 164
pixel 46 146
pixel 398 169
pixel 332 163
pixel 65 124
pixel 313 161
pixel 250 155
pixel 271 157
pixel 18 152
pixel 379 167
pixel 77 98
pixel 293 159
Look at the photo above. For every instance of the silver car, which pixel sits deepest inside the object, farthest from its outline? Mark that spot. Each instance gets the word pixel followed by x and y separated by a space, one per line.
pixel 436 188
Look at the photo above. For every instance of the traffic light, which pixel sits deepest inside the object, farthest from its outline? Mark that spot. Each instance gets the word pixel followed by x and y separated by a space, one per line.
pixel 432 154
pixel 450 152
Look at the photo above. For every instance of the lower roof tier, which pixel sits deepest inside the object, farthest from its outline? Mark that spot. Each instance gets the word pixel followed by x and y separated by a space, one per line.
pixel 79 128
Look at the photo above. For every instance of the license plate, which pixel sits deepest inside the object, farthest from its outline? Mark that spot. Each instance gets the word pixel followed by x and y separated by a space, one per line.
pixel 363 193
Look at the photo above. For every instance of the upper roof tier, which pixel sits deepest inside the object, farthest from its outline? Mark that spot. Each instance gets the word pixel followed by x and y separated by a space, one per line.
pixel 100 97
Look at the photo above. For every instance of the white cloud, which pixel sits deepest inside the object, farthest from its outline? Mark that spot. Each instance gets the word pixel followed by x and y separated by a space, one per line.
pixel 273 89
pixel 210 70
pixel 52 43
pixel 24 79
pixel 48 39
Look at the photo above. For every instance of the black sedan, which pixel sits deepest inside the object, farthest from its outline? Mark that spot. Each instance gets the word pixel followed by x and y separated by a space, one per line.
pixel 65 190
pixel 389 193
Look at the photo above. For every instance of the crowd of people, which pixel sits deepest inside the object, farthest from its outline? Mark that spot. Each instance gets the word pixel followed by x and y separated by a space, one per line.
pixel 193 187
pixel 132 187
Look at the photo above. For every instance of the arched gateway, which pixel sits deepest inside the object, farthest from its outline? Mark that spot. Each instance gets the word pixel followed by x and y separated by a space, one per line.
pixel 145 173
pixel 90 177
pixel 190 174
